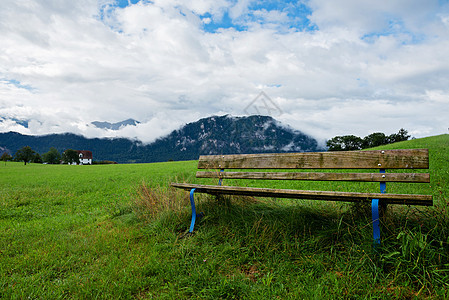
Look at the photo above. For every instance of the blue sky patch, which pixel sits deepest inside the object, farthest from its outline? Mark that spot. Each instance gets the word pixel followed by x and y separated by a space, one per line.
pixel 18 84
pixel 225 23
pixel 295 16
pixel 296 11
pixel 395 28
pixel 125 3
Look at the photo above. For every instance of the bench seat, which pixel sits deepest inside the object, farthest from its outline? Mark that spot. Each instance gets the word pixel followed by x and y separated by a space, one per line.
pixel 405 199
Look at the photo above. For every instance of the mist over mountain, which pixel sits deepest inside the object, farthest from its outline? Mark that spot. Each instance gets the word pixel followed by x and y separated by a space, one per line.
pixel 212 135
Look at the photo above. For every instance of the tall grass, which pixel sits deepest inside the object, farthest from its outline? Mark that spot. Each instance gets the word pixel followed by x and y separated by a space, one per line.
pixel 285 249
pixel 153 201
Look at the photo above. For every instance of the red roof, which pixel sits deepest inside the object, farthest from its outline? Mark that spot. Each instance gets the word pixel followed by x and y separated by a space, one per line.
pixel 86 154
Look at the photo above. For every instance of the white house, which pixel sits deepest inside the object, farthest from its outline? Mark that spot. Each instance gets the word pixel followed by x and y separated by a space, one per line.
pixel 85 157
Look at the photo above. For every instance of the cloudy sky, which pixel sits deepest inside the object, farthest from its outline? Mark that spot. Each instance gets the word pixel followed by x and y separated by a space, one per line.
pixel 325 67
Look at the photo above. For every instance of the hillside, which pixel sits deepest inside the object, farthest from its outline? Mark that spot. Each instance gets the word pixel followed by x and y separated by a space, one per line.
pixel 213 135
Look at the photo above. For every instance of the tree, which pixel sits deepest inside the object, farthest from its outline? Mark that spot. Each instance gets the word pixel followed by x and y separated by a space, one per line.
pixel 5 157
pixel 70 156
pixel 345 142
pixel 25 154
pixel 351 142
pixel 374 140
pixel 52 157
pixel 37 159
pixel 402 135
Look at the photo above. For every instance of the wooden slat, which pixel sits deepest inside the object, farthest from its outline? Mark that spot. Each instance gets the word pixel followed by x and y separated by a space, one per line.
pixel 320 176
pixel 405 199
pixel 375 159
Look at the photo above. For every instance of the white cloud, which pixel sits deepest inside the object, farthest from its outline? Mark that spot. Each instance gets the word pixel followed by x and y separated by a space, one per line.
pixel 240 8
pixel 368 67
pixel 364 16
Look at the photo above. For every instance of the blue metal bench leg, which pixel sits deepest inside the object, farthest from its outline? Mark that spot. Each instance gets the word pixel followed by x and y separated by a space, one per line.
pixel 376 227
pixel 192 203
pixel 194 214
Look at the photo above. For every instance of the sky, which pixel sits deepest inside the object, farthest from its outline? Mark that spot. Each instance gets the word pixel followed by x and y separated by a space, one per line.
pixel 326 68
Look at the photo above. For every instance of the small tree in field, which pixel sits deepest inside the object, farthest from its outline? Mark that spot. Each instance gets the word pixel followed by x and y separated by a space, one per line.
pixel 70 156
pixel 26 154
pixel 52 157
pixel 37 159
pixel 5 157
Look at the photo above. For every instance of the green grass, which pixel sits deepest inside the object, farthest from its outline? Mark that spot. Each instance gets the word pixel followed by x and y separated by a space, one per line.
pixel 118 231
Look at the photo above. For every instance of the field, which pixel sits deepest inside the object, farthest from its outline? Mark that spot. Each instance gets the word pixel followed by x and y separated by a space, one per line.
pixel 118 231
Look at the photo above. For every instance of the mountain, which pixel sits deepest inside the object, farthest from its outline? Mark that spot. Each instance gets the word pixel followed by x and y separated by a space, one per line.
pixel 232 135
pixel 115 126
pixel 23 123
pixel 3 150
pixel 212 135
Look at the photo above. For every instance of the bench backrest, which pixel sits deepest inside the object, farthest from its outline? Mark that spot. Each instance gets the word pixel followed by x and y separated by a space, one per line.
pixel 374 159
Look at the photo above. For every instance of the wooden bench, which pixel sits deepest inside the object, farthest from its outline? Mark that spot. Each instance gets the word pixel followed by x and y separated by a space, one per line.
pixel 249 166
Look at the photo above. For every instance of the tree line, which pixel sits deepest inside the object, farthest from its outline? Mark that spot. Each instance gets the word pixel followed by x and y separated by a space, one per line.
pixel 28 155
pixel 352 142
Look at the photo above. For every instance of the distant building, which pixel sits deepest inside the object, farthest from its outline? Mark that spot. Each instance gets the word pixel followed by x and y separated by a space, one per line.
pixel 85 157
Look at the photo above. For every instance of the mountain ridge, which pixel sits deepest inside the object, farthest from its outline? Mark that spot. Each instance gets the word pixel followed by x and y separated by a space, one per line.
pixel 211 135
pixel 115 126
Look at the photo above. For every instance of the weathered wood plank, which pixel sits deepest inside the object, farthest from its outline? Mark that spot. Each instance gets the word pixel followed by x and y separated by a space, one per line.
pixel 375 159
pixel 320 176
pixel 425 200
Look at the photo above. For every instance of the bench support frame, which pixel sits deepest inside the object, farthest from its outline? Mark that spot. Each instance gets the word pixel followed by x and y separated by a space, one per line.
pixel 192 204
pixel 194 214
pixel 375 212
pixel 375 215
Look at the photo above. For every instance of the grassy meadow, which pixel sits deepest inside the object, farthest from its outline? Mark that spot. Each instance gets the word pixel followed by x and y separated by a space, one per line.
pixel 119 231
